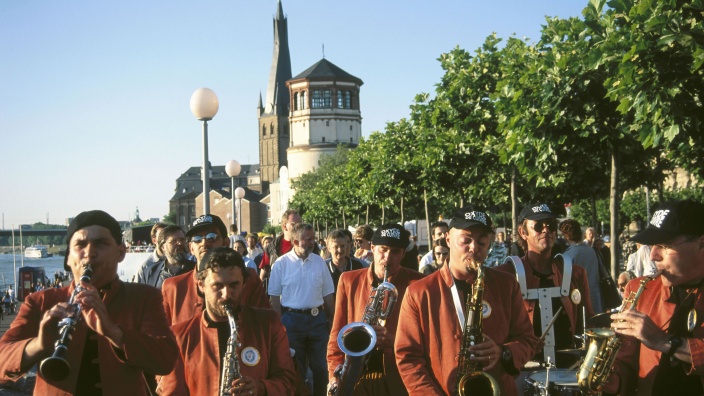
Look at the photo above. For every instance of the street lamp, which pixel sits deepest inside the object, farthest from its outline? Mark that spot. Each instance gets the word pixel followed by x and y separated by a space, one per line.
pixel 239 194
pixel 204 106
pixel 233 168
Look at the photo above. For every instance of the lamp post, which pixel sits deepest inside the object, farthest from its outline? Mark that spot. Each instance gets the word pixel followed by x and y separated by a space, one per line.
pixel 239 194
pixel 233 168
pixel 204 106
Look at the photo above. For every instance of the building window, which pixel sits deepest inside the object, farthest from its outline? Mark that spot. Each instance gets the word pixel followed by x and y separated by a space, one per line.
pixel 327 122
pixel 351 141
pixel 263 130
pixel 295 101
pixel 348 100
pixel 303 100
pixel 340 103
pixel 323 139
pixel 321 99
pixel 350 127
pixel 271 129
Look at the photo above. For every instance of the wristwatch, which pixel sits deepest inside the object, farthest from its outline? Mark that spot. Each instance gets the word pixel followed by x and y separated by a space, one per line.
pixel 675 343
pixel 507 360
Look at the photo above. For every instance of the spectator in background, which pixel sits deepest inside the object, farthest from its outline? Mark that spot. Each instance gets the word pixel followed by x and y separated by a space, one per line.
pixel 242 250
pixel 584 256
pixel 234 236
pixel 639 263
pixel 340 260
pixel 623 279
pixel 324 252
pixel 589 236
pixel 441 256
pixel 603 253
pixel 410 258
pixel 252 246
pixel 497 252
pixel 363 243
pixel 438 230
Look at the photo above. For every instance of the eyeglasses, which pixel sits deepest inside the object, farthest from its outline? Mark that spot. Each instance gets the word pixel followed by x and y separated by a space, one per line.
pixel 442 253
pixel 666 248
pixel 210 237
pixel 541 225
pixel 358 240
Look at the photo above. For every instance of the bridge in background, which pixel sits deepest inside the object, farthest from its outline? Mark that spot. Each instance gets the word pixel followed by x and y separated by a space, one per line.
pixel 25 233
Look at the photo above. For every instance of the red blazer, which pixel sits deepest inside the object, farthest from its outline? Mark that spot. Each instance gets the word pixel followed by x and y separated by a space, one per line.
pixel 636 365
pixel 353 293
pixel 182 302
pixel 579 281
pixel 264 354
pixel 137 309
pixel 429 334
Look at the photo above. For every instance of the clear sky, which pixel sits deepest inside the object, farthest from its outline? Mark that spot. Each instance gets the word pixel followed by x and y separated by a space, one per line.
pixel 94 95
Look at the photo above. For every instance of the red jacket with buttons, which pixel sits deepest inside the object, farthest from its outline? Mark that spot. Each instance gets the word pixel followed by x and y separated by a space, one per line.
pixel 263 354
pixel 149 345
pixel 429 334
pixel 182 302
pixel 351 300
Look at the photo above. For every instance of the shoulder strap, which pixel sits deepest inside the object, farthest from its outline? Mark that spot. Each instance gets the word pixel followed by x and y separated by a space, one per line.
pixel 566 273
pixel 520 273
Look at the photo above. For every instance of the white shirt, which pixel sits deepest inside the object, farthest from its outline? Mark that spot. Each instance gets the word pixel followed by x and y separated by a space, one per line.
pixel 640 263
pixel 300 284
pixel 253 253
pixel 235 237
pixel 426 260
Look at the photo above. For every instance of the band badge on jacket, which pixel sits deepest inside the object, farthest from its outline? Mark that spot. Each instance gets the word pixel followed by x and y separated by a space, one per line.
pixel 250 356
pixel 486 309
pixel 576 296
pixel 692 320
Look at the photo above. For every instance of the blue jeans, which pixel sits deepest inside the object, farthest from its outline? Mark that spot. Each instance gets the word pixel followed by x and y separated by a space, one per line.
pixel 308 335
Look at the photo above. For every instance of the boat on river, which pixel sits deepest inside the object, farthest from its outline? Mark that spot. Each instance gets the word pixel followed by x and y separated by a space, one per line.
pixel 37 251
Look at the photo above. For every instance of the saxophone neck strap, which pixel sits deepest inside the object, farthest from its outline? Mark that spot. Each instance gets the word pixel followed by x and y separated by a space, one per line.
pixel 458 304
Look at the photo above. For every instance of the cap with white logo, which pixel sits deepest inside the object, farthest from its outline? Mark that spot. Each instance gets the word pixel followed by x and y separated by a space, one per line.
pixel 671 220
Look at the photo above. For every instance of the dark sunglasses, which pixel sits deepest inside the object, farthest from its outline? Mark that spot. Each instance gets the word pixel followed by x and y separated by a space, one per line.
pixel 541 225
pixel 210 237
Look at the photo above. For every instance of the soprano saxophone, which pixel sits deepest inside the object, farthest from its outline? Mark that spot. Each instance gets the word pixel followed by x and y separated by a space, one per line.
pixel 472 380
pixel 230 362
pixel 357 339
pixel 56 367
pixel 603 348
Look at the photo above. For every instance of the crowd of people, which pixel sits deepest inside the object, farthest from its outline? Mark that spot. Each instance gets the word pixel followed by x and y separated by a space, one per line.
pixel 212 312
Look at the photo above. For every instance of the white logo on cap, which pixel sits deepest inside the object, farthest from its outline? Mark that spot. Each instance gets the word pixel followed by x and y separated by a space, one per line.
pixel 540 209
pixel 391 233
pixel 203 219
pixel 477 216
pixel 659 217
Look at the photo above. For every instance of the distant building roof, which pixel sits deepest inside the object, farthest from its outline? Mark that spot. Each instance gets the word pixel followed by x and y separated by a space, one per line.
pixel 189 185
pixel 325 69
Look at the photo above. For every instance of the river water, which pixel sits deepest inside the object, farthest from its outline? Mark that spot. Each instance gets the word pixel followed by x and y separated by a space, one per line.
pixel 54 264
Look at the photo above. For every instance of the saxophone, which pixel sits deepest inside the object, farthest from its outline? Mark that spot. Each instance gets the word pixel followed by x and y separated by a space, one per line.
pixel 230 362
pixel 474 381
pixel 357 339
pixel 603 348
pixel 56 367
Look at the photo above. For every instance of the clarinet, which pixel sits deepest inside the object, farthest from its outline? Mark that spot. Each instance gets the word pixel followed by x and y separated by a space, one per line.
pixel 56 367
pixel 230 362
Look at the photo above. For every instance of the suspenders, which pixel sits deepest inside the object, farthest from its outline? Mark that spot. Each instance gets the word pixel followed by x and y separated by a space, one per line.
pixel 544 297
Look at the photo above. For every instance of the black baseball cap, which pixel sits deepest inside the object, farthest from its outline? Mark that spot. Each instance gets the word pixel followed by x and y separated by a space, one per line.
pixel 469 216
pixel 207 220
pixel 536 211
pixel 671 220
pixel 392 235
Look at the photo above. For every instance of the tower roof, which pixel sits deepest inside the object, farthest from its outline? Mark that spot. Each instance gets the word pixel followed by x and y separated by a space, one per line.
pixel 326 69
pixel 277 99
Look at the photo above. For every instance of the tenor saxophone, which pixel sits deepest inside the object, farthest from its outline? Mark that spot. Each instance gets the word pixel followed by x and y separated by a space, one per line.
pixel 603 348
pixel 472 380
pixel 230 362
pixel 56 366
pixel 357 339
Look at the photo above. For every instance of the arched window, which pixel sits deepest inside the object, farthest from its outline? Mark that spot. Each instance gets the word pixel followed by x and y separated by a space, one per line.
pixel 272 130
pixel 295 101
pixel 263 130
pixel 303 100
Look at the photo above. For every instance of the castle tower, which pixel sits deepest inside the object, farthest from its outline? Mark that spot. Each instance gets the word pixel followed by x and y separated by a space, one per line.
pixel 273 114
pixel 324 114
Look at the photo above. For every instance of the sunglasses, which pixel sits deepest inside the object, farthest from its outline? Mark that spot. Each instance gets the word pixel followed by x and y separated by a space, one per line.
pixel 541 225
pixel 210 237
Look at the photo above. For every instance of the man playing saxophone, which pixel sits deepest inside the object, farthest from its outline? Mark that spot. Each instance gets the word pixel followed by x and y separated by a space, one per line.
pixel 380 376
pixel 434 312
pixel 259 361
pixel 122 332
pixel 662 351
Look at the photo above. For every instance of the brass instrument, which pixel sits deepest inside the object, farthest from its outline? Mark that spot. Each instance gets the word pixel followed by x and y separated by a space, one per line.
pixel 56 367
pixel 230 362
pixel 603 348
pixel 472 380
pixel 357 339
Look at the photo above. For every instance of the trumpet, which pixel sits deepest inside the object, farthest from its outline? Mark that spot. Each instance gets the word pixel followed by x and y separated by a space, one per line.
pixel 357 339
pixel 56 367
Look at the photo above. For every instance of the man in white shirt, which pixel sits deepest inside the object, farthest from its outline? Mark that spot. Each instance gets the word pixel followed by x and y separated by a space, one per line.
pixel 252 248
pixel 438 230
pixel 639 263
pixel 301 291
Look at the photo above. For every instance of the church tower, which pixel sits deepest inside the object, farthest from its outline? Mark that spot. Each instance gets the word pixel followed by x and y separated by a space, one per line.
pixel 273 114
pixel 325 114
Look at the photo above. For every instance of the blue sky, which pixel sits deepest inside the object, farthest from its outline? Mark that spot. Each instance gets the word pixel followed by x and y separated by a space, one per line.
pixel 94 95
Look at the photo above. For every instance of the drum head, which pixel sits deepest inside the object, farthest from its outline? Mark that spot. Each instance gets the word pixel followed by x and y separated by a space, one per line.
pixel 559 377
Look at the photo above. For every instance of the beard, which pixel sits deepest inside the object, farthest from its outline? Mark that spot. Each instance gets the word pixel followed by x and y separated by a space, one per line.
pixel 176 257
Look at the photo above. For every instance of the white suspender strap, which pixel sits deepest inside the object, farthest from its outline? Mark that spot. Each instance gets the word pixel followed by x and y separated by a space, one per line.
pixel 520 274
pixel 458 304
pixel 566 274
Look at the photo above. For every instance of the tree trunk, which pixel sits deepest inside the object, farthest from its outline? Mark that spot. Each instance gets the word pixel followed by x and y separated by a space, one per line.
pixel 336 225
pixel 367 222
pixel 358 218
pixel 614 208
pixel 401 210
pixel 383 214
pixel 344 219
pixel 427 217
pixel 514 206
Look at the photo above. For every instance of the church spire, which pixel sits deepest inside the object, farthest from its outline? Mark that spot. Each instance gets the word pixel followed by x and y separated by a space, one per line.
pixel 277 100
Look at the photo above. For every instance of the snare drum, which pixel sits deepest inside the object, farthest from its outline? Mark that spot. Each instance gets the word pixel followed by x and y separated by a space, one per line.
pixel 562 383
